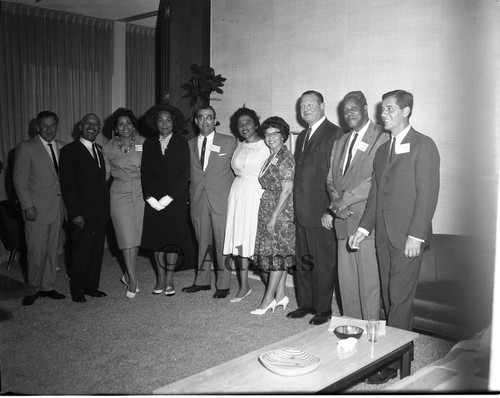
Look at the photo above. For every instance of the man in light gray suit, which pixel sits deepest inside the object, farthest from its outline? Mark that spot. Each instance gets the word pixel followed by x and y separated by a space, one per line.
pixel 37 185
pixel 211 180
pixel 348 183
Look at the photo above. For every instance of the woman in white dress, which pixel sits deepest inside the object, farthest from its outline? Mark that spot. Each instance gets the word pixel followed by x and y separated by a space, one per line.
pixel 244 197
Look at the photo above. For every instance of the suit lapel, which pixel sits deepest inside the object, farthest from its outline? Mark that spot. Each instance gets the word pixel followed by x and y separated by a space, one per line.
pixel 42 152
pixel 407 140
pixel 211 154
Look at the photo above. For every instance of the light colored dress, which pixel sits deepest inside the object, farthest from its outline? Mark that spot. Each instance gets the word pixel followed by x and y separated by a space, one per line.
pixel 126 200
pixel 244 198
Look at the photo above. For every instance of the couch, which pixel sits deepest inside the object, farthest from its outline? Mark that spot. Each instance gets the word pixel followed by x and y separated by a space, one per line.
pixel 464 369
pixel 455 290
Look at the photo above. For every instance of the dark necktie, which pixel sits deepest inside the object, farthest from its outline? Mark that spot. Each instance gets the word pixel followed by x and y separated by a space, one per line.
pixel 393 149
pixel 56 166
pixel 306 140
pixel 202 157
pixel 349 156
pixel 96 157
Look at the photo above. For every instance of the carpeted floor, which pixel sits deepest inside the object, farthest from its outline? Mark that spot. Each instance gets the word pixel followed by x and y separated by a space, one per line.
pixel 115 345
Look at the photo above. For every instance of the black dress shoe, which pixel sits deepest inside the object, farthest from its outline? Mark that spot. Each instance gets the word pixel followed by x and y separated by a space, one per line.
pixel 94 293
pixel 79 298
pixel 53 294
pixel 221 293
pixel 382 376
pixel 300 312
pixel 196 288
pixel 320 318
pixel 29 300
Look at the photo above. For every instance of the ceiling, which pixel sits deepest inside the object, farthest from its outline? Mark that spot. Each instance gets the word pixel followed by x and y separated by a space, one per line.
pixel 139 12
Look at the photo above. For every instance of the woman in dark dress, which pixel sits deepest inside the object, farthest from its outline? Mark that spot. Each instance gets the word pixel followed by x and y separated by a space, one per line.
pixel 164 176
pixel 275 244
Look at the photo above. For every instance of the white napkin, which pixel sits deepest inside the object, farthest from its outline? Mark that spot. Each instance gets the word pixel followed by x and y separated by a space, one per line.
pixel 347 345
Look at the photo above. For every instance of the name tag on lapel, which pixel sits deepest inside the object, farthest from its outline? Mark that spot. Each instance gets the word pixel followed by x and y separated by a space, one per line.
pixel 138 148
pixel 403 148
pixel 215 148
pixel 274 161
pixel 362 146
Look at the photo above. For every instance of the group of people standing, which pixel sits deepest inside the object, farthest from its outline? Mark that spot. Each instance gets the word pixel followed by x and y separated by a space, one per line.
pixel 250 201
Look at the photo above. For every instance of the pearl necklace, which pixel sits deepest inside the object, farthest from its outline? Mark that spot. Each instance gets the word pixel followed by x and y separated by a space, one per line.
pixel 125 148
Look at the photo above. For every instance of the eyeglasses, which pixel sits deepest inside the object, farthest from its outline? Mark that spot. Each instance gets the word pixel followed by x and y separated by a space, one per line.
pixel 272 134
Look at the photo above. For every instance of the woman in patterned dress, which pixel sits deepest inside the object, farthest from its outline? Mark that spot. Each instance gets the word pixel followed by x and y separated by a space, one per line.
pixel 244 197
pixel 122 156
pixel 275 243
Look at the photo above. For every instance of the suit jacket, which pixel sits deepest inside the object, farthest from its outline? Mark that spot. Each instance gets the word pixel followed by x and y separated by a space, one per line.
pixel 214 183
pixel 354 187
pixel 165 175
pixel 36 180
pixel 404 193
pixel 83 183
pixel 311 169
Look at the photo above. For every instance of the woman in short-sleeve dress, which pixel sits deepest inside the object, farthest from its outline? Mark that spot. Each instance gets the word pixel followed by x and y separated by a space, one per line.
pixel 122 155
pixel 275 245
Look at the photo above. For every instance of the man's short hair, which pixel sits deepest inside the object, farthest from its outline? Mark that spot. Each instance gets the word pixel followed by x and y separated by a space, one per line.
pixel 403 98
pixel 318 95
pixel 202 108
pixel 44 114
pixel 356 96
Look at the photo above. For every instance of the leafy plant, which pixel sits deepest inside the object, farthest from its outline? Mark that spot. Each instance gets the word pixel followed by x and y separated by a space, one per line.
pixel 202 84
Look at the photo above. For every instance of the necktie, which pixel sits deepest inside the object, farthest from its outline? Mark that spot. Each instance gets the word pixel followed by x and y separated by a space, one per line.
pixel 56 166
pixel 96 157
pixel 308 135
pixel 393 149
pixel 202 157
pixel 349 156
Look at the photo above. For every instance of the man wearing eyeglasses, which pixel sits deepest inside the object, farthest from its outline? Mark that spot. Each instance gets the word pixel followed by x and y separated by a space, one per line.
pixel 211 180
pixel 348 183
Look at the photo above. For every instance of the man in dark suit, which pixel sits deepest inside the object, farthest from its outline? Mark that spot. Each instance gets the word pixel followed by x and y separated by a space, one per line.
pixel 211 179
pixel 37 185
pixel 348 183
pixel 315 246
pixel 401 204
pixel 86 195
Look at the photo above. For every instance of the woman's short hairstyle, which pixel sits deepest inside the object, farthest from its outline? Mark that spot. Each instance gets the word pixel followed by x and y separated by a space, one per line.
pixel 119 113
pixel 278 123
pixel 243 111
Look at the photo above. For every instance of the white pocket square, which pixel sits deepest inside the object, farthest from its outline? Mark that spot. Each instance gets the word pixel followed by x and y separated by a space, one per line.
pixel 222 154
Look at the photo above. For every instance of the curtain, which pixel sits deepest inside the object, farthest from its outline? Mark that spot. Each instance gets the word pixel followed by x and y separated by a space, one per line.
pixel 54 61
pixel 140 68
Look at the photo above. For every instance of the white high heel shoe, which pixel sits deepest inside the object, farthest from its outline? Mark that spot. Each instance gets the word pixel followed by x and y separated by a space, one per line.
pixel 283 302
pixel 258 311
pixel 131 295
pixel 238 299
pixel 122 280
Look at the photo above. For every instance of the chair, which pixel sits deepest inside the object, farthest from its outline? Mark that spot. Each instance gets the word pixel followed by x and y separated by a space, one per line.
pixel 11 229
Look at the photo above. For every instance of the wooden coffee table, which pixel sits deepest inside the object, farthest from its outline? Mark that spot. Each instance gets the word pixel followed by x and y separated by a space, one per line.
pixel 246 374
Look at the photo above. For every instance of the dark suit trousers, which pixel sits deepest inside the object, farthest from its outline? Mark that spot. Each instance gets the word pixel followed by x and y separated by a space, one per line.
pixel 316 251
pixel 88 249
pixel 399 280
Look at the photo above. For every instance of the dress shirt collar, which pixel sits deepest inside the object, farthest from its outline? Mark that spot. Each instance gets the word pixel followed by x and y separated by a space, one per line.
pixel 361 133
pixel 401 136
pixel 87 143
pixel 315 126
